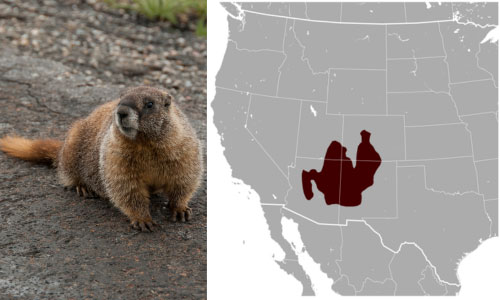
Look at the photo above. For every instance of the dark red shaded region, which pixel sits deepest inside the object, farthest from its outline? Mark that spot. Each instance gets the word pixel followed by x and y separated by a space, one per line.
pixel 338 180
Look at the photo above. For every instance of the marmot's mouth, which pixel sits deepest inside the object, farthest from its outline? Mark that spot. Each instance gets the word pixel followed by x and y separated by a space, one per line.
pixel 129 132
pixel 125 128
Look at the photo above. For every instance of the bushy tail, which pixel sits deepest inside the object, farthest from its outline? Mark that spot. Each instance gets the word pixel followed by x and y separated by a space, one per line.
pixel 39 151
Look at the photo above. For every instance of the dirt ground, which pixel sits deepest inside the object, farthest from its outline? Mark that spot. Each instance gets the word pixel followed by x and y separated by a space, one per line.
pixel 58 61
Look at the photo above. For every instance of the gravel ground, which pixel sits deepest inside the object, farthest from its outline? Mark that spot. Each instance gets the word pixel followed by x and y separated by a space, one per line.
pixel 58 61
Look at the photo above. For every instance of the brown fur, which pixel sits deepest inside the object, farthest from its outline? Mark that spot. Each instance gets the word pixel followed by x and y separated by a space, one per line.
pixel 102 155
pixel 39 151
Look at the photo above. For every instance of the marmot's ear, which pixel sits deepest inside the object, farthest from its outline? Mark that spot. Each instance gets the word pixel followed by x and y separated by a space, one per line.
pixel 168 98
pixel 125 91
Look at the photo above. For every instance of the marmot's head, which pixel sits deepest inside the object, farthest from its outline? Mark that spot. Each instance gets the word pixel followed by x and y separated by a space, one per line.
pixel 143 111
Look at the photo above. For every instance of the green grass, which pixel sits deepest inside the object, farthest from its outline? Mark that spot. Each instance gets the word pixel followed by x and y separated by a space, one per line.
pixel 173 11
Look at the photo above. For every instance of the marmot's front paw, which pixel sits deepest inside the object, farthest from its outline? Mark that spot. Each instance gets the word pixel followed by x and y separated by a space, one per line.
pixel 143 226
pixel 81 190
pixel 183 212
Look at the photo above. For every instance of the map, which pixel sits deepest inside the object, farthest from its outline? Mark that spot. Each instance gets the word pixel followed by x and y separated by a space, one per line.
pixel 374 128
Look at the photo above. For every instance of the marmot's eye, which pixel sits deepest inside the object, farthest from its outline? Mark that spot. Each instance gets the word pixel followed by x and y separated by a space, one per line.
pixel 149 104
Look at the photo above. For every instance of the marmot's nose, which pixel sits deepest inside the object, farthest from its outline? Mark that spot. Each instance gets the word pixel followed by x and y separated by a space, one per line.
pixel 126 118
pixel 122 114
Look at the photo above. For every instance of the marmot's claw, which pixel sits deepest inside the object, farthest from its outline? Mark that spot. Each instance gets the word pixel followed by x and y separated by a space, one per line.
pixel 82 191
pixel 183 213
pixel 143 226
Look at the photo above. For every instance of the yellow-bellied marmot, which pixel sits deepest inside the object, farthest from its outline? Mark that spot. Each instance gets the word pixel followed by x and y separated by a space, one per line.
pixel 123 151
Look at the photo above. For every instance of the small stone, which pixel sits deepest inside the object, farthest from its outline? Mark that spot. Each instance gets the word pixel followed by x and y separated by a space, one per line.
pixel 24 40
pixel 36 44
pixel 168 70
pixel 65 51
pixel 181 41
pixel 94 63
pixel 177 83
pixel 173 53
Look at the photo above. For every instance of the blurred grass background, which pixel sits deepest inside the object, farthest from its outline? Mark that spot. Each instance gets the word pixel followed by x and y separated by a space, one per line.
pixel 177 12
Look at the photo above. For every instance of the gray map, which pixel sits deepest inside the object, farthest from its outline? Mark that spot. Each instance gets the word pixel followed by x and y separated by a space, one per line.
pixel 422 78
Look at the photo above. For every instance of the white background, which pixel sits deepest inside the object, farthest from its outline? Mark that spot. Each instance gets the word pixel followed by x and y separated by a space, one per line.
pixel 241 252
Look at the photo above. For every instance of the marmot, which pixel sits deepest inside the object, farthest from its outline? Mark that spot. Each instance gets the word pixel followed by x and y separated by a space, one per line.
pixel 124 151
